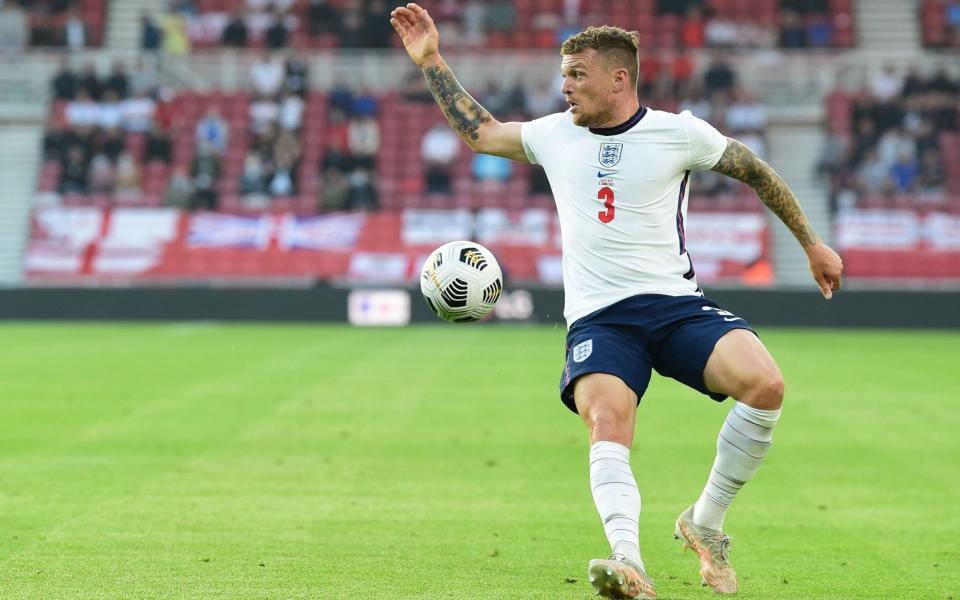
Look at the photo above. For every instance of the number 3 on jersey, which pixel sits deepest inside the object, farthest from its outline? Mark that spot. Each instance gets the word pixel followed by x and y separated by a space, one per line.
pixel 606 194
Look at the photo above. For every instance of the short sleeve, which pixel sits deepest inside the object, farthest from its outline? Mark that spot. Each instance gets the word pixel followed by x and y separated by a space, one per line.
pixel 706 143
pixel 534 135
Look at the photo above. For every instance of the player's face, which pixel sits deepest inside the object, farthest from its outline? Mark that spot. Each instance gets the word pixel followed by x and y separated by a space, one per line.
pixel 587 88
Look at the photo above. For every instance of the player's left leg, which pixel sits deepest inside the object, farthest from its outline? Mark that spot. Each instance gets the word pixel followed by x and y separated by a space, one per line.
pixel 739 366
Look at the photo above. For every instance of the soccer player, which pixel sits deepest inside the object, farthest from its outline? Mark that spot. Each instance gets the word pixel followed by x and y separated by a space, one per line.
pixel 620 176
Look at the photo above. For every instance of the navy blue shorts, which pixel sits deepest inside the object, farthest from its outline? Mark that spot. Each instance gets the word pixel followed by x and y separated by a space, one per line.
pixel 674 335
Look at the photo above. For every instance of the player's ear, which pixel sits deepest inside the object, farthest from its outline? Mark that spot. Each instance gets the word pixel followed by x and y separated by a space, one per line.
pixel 621 78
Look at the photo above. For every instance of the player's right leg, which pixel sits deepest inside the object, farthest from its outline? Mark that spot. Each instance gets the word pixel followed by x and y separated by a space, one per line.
pixel 608 407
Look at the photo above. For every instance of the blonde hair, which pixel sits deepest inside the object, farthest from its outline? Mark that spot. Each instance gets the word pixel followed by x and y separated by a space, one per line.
pixel 616 46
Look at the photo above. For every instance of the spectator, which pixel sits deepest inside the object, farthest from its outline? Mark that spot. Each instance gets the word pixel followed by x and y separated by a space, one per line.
pixel 73 175
pixel 111 143
pixel 151 36
pixel 75 32
pixel 819 31
pixel 118 81
pixel 719 77
pixel 55 141
pixel 205 171
pixel 322 18
pixel 235 33
pixel 127 178
pixel 13 30
pixel 341 98
pixel 792 34
pixel 887 84
pixel 253 181
pixel 362 193
pixel 439 150
pixel 174 39
pixel 111 111
pixel 336 157
pixel 138 113
pixel 873 176
pixel 144 79
pixel 296 75
pixel 100 179
pixel 65 82
pixel 491 169
pixel 894 144
pixel 364 105
pixel 90 82
pixel 158 146
pixel 212 132
pixel 334 191
pixel 277 34
pixel 82 112
pixel 904 172
pixel 286 153
pixel 267 75
pixel 291 112
pixel 721 32
pixel 179 189
pixel 363 140
pixel 932 181
pixel 264 113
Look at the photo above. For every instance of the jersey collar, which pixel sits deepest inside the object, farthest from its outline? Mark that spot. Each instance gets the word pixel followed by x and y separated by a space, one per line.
pixel 622 127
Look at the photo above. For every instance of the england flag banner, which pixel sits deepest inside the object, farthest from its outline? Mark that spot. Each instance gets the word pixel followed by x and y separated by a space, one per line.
pixel 212 230
pixel 326 232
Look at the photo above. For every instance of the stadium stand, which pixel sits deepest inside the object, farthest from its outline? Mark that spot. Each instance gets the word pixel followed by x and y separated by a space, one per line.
pixel 892 159
pixel 129 181
pixel 526 23
pixel 294 150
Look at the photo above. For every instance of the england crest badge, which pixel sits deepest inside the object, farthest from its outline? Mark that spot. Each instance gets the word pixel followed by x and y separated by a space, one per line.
pixel 610 153
pixel 582 351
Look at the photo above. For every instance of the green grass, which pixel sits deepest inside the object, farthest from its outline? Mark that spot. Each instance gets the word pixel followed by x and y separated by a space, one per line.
pixel 224 461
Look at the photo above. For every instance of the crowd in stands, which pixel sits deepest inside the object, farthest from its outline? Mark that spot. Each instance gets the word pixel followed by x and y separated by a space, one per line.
pixel 71 24
pixel 940 23
pixel 106 130
pixel 887 143
pixel 121 137
pixel 670 24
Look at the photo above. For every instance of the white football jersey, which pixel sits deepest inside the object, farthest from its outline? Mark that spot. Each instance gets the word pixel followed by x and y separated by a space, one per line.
pixel 621 194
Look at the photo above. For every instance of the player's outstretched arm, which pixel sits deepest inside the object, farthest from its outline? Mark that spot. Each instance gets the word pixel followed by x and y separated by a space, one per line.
pixel 471 121
pixel 743 164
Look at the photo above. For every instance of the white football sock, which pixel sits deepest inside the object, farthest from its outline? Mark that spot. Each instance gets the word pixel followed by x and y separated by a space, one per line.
pixel 744 439
pixel 617 497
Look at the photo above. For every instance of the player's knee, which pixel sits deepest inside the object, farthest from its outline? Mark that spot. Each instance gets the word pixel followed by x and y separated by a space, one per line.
pixel 607 425
pixel 766 391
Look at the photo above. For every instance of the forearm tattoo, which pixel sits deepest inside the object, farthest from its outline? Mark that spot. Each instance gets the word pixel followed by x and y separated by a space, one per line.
pixel 743 164
pixel 464 113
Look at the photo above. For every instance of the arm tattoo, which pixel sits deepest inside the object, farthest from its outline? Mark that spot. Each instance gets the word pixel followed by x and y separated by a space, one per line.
pixel 464 113
pixel 741 163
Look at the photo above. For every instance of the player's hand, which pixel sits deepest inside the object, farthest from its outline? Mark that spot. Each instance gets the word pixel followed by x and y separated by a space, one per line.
pixel 415 27
pixel 826 267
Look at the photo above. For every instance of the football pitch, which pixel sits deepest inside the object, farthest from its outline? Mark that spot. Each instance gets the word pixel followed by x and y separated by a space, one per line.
pixel 206 460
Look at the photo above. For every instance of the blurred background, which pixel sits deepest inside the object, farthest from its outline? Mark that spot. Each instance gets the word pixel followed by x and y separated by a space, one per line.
pixel 279 159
